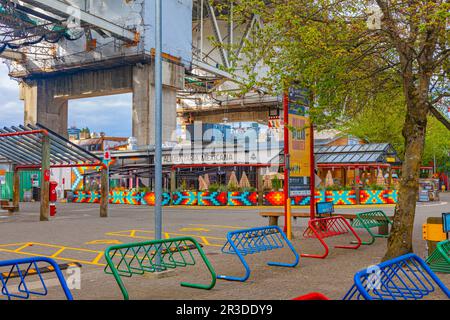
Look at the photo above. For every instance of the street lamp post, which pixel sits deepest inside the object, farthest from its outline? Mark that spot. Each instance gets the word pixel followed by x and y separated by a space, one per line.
pixel 158 121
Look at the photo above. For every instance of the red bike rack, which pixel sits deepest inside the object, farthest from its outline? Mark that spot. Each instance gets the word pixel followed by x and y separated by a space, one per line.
pixel 322 228
pixel 312 296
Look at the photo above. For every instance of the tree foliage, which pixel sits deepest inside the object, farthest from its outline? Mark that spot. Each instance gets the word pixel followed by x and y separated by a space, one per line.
pixel 437 145
pixel 381 124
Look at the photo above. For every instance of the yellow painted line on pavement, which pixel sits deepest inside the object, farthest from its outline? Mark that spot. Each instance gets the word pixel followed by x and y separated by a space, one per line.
pixel 218 226
pixel 104 241
pixel 56 255
pixel 187 229
pixel 26 245
pixel 206 240
pixel 98 258
pixel 14 244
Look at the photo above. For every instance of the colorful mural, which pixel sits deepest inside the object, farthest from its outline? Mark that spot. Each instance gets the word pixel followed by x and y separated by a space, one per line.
pixel 185 198
pixel 80 197
pixel 117 197
pixel 93 197
pixel 212 198
pixel 148 198
pixel 242 198
pixel 304 200
pixel 77 180
pixel 378 196
pixel 342 197
pixel 391 196
pixel 132 198
pixel 191 198
pixel 275 198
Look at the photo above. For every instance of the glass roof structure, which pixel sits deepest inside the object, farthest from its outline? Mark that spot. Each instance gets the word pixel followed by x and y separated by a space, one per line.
pixel 22 145
pixel 358 153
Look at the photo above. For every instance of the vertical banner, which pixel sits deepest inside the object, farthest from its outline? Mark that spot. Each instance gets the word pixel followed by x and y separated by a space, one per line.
pixel 299 143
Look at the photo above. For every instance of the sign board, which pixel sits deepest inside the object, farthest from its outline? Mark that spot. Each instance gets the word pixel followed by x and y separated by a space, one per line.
pixel 299 186
pixel 107 156
pixel 446 221
pixel 424 196
pixel 35 180
pixel 221 156
pixel 299 142
pixel 324 208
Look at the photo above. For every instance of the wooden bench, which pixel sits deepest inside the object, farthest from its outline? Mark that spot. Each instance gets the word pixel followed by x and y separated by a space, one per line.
pixel 273 219
pixel 5 205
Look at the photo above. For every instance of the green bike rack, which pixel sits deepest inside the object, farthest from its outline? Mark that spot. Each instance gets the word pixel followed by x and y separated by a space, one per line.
pixel 126 260
pixel 369 220
pixel 439 260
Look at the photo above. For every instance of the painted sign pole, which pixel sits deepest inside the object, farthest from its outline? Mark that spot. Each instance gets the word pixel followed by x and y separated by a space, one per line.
pixel 287 213
pixel 300 144
pixel 312 177
pixel 158 121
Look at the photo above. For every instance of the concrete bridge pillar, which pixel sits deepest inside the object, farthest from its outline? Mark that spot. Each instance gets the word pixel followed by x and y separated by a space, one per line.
pixel 42 106
pixel 144 101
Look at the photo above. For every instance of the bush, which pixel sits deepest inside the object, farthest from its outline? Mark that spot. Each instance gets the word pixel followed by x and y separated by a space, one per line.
pixel 234 188
pixel 277 184
pixel 214 187
pixel 375 187
pixel 183 186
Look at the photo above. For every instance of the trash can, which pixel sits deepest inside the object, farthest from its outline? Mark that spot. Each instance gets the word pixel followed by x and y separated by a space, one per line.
pixel 69 196
pixel 27 196
pixel 36 194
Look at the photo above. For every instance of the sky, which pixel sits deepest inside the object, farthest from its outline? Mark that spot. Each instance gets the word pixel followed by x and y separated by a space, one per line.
pixel 111 114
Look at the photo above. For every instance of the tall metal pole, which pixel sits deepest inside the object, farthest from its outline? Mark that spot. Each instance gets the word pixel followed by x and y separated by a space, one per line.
pixel 158 121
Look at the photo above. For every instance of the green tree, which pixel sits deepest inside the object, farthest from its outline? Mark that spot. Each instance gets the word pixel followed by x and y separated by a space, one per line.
pixel 437 145
pixel 381 124
pixel 348 54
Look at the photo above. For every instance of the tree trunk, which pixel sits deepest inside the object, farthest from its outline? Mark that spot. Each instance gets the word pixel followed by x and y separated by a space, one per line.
pixel 400 240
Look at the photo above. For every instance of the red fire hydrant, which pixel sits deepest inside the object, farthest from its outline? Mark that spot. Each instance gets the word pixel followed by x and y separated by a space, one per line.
pixel 53 198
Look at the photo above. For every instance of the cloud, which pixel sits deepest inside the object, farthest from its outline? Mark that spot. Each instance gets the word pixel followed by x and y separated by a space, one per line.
pixel 11 108
pixel 6 83
pixel 110 114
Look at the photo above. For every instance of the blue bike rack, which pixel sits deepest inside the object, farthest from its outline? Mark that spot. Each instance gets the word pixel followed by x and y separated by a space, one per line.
pixel 404 278
pixel 251 241
pixel 29 268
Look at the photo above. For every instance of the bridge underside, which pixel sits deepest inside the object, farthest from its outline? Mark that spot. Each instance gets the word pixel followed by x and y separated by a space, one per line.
pixel 235 113
pixel 46 98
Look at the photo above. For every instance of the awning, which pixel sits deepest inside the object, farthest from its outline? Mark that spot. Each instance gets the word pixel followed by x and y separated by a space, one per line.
pixel 22 145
